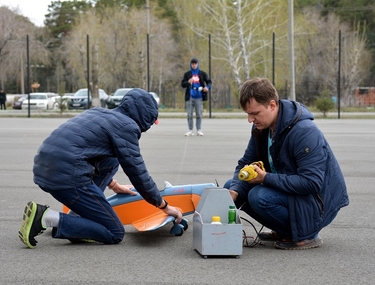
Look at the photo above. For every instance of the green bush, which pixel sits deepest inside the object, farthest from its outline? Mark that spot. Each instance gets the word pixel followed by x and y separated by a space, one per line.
pixel 324 103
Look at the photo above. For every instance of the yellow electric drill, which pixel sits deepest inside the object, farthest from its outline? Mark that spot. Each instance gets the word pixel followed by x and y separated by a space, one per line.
pixel 248 172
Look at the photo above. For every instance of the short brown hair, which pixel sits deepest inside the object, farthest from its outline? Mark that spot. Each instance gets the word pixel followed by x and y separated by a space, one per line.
pixel 259 89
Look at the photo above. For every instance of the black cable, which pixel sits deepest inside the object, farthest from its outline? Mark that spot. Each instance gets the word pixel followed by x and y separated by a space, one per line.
pixel 256 240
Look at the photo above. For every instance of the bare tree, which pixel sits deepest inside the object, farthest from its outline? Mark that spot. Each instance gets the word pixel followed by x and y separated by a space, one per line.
pixel 14 29
pixel 321 54
pixel 242 30
pixel 121 37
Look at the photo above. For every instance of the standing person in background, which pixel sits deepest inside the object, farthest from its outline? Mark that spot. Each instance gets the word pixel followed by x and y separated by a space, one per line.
pixel 197 84
pixel 3 99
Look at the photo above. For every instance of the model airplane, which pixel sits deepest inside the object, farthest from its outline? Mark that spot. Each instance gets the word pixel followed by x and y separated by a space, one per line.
pixel 135 211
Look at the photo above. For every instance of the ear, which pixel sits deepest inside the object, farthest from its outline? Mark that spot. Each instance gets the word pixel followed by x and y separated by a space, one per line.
pixel 273 105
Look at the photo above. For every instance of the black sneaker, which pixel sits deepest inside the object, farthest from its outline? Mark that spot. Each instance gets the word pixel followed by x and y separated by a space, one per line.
pixel 32 223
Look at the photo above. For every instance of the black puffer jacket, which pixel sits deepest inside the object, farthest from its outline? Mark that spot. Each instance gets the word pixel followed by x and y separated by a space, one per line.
pixel 76 151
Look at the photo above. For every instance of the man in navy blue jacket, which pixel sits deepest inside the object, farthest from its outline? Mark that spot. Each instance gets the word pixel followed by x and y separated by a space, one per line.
pixel 77 162
pixel 302 188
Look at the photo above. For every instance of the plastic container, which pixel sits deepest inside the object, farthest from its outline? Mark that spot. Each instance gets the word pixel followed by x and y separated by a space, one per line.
pixel 216 220
pixel 213 239
pixel 232 214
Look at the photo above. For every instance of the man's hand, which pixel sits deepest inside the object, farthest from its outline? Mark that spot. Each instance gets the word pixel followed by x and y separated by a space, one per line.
pixel 123 189
pixel 233 194
pixel 205 89
pixel 173 211
pixel 260 177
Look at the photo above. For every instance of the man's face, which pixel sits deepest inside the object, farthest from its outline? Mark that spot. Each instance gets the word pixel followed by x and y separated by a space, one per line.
pixel 260 115
pixel 194 64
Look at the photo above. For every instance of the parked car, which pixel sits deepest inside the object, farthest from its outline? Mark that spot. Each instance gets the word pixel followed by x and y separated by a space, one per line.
pixel 115 99
pixel 156 97
pixel 79 99
pixel 40 101
pixel 17 103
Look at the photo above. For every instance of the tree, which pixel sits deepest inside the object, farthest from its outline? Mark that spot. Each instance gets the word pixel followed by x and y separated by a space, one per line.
pixel 119 33
pixel 13 32
pixel 321 54
pixel 243 31
pixel 324 103
pixel 359 12
pixel 62 16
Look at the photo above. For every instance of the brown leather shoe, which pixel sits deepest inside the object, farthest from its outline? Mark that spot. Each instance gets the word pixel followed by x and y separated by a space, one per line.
pixel 269 236
pixel 304 244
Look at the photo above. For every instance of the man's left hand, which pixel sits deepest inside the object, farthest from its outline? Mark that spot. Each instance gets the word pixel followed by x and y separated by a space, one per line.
pixel 124 189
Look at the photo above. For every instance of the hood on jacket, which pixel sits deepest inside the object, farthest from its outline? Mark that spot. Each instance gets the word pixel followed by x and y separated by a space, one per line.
pixel 140 106
pixel 291 112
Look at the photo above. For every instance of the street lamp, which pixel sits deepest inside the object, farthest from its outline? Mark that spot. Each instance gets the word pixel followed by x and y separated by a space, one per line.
pixel 291 52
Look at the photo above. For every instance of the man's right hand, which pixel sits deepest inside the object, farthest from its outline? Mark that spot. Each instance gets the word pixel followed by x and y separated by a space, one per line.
pixel 233 194
pixel 173 211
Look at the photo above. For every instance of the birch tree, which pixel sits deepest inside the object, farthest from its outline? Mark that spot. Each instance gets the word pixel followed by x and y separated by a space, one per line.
pixel 241 31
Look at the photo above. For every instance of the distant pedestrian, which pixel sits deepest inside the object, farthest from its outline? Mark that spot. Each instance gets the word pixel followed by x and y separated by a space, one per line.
pixel 197 84
pixel 3 99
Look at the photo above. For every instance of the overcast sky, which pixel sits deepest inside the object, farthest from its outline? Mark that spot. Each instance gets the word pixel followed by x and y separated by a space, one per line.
pixel 32 9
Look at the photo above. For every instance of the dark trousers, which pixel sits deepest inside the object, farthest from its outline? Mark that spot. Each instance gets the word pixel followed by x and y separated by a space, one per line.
pixel 3 104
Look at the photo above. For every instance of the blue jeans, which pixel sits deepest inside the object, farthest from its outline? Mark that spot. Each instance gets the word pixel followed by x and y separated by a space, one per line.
pixel 196 104
pixel 270 208
pixel 96 218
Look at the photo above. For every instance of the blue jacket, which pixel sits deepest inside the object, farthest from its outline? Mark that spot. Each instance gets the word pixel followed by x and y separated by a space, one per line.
pixel 94 144
pixel 306 169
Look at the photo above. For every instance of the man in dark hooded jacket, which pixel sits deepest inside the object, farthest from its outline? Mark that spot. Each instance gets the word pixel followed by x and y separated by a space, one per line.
pixel 77 162
pixel 302 188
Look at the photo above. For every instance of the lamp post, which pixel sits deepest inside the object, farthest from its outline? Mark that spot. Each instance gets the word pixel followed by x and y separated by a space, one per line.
pixel 292 95
pixel 148 45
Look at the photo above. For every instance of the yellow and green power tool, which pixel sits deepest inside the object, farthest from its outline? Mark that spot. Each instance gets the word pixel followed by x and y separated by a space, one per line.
pixel 248 172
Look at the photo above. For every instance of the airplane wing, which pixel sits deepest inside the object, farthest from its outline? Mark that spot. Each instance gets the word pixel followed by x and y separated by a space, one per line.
pixel 153 222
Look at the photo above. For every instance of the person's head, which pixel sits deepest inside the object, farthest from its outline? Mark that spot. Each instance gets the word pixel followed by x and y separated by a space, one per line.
pixel 141 107
pixel 260 100
pixel 194 63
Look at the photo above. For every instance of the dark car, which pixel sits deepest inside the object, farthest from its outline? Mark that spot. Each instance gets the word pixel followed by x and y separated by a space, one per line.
pixel 115 99
pixel 79 99
pixel 17 103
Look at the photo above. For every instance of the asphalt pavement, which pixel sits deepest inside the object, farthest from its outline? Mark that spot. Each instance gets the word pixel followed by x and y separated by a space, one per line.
pixel 346 257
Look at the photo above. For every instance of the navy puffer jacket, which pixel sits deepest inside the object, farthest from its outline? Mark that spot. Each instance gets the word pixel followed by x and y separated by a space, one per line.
pixel 99 140
pixel 306 169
